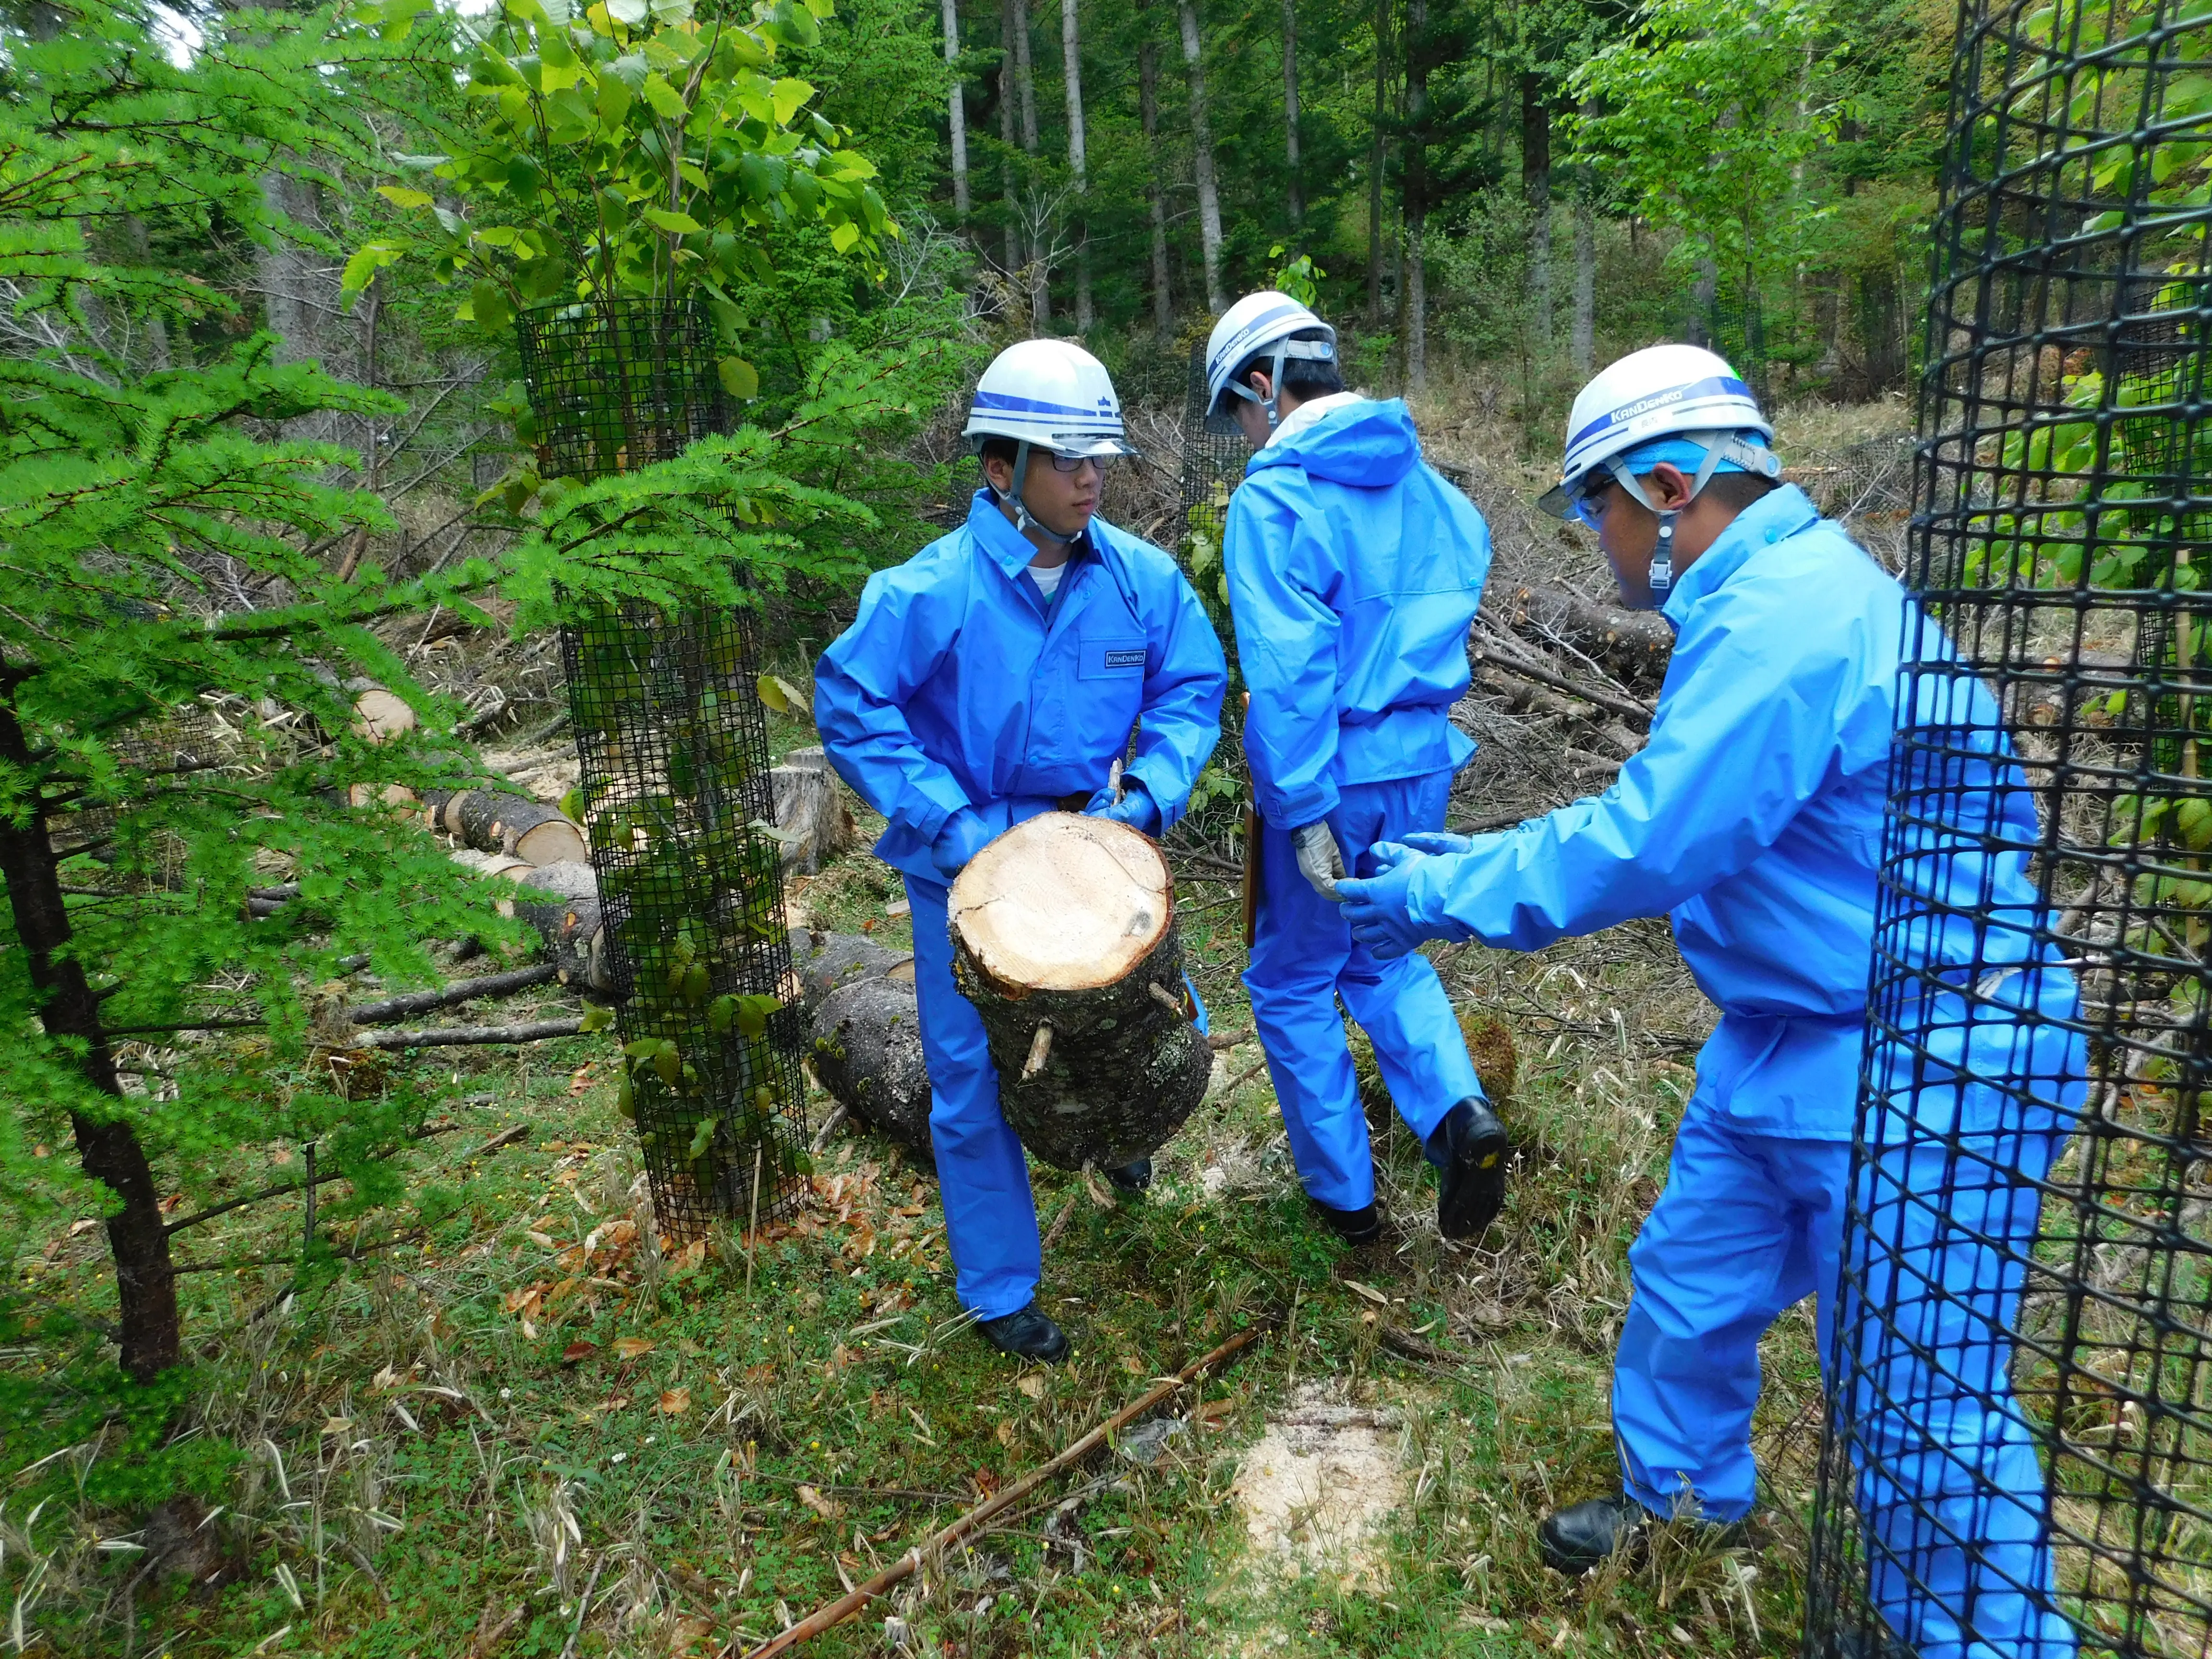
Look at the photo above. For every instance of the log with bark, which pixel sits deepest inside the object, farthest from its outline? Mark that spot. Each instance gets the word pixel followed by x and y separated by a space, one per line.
pixel 824 962
pixel 1064 938
pixel 1632 646
pixel 811 819
pixel 493 820
pixel 867 1053
pixel 561 902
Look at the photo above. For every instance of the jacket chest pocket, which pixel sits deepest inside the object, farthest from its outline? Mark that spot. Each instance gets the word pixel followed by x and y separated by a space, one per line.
pixel 1109 657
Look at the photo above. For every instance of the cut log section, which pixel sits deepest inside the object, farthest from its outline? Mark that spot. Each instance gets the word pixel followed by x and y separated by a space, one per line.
pixel 811 819
pixel 561 902
pixel 493 820
pixel 1069 921
pixel 867 1053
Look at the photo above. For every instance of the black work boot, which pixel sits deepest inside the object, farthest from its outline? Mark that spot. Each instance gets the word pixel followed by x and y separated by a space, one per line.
pixel 1026 1334
pixel 1468 1149
pixel 1132 1177
pixel 1359 1226
pixel 1584 1535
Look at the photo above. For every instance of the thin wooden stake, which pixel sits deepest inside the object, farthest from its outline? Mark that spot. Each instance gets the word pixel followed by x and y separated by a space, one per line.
pixel 846 1605
pixel 752 1219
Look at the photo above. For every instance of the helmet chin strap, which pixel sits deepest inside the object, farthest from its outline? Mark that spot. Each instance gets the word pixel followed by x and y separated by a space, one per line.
pixel 1719 447
pixel 1023 522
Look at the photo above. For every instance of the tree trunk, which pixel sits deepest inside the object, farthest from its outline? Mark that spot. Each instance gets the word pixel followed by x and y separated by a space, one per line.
pixel 1295 193
pixel 1010 25
pixel 1585 321
pixel 1039 231
pixel 811 819
pixel 1416 201
pixel 1071 65
pixel 1148 101
pixel 825 961
pixel 1704 298
pixel 956 110
pixel 1064 938
pixel 1376 157
pixel 1536 184
pixel 1201 145
pixel 152 1337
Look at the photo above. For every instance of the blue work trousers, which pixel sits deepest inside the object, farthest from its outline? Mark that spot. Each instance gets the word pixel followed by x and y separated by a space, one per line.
pixel 1950 1487
pixel 982 1174
pixel 1304 958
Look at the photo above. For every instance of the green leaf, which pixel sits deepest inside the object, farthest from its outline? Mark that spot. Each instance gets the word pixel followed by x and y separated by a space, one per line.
pixel 739 378
pixel 790 97
pixel 597 1017
pixel 702 1137
pixel 663 98
pixel 845 237
pixel 630 13
pixel 366 261
pixel 781 694
pixel 682 224
pixel 401 196
pixel 489 304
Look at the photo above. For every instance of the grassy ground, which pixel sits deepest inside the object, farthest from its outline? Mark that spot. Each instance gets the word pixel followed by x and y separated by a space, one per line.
pixel 518 1427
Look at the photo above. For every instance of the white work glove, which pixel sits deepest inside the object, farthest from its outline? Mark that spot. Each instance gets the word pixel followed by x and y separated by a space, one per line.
pixel 1319 861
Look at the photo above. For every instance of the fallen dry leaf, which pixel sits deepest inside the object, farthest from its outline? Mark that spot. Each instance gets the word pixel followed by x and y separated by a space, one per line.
pixel 1213 1410
pixel 1031 1385
pixel 674 1402
pixel 821 1505
pixel 629 1347
pixel 338 1424
pixel 1367 1291
pixel 577 1352
pixel 543 1241
pixel 383 1379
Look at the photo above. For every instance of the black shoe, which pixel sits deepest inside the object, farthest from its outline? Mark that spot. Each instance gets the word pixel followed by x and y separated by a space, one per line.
pixel 1132 1177
pixel 1584 1535
pixel 1359 1226
pixel 1026 1335
pixel 1469 1149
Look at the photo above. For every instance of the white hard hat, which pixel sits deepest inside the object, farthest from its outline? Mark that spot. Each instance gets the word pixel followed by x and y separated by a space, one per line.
pixel 1253 324
pixel 1050 394
pixel 1662 391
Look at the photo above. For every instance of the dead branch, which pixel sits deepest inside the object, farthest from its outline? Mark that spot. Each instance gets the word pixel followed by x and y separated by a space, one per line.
pixel 460 991
pixel 452 1037
pixel 1006 1497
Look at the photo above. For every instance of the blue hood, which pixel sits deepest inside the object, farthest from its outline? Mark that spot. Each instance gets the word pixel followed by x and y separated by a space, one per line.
pixel 1368 445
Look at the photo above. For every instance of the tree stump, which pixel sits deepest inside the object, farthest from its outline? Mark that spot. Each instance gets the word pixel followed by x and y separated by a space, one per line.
pixel 867 1053
pixel 1064 938
pixel 811 819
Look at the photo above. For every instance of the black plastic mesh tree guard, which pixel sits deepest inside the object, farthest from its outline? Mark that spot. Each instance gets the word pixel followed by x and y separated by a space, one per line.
pixel 676 788
pixel 2063 489
pixel 672 742
pixel 618 385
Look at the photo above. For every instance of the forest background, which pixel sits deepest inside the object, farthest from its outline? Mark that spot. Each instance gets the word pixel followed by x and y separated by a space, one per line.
pixel 268 451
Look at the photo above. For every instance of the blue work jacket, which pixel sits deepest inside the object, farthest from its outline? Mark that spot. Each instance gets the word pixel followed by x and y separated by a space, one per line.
pixel 958 686
pixel 1754 817
pixel 1354 571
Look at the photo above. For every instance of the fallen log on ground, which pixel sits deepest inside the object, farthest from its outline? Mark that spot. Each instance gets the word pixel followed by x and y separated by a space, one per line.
pixel 493 820
pixel 1004 1499
pixel 825 961
pixel 1633 646
pixel 460 991
pixel 867 1053
pixel 561 902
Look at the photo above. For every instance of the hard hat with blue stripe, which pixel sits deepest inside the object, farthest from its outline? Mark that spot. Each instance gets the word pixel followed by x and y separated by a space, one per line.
pixel 1660 392
pixel 1666 405
pixel 1266 322
pixel 1049 394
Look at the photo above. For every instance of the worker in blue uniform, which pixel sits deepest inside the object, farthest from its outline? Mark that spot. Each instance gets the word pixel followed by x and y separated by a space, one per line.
pixel 1354 570
pixel 996 675
pixel 1754 815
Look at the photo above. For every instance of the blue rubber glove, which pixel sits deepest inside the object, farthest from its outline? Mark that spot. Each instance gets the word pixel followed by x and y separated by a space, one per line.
pixel 1437 841
pixel 961 837
pixel 1377 907
pixel 1134 809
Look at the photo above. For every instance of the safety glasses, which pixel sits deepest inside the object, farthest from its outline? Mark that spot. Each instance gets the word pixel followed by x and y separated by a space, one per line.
pixel 1588 504
pixel 1077 463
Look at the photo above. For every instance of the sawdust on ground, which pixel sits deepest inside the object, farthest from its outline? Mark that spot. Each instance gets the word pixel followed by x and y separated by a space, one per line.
pixel 1318 1488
